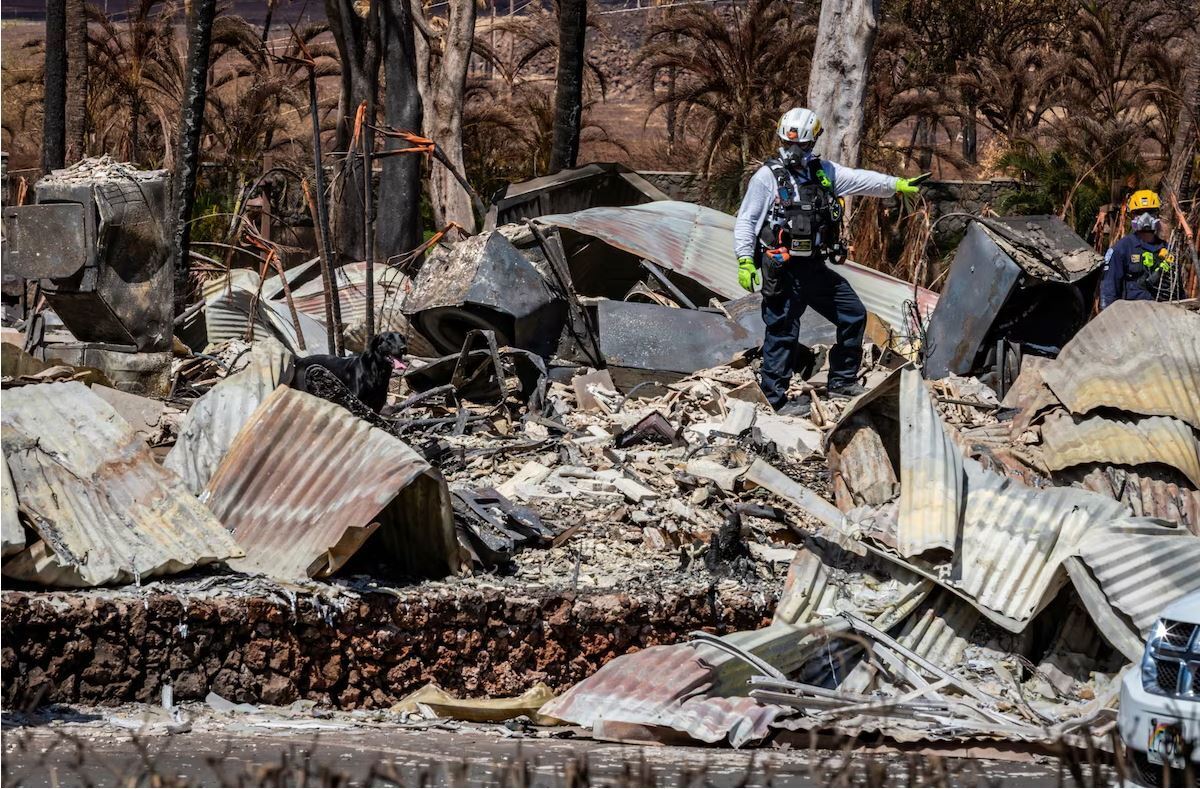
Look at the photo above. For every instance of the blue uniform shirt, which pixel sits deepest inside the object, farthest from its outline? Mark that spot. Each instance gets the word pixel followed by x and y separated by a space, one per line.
pixel 1125 272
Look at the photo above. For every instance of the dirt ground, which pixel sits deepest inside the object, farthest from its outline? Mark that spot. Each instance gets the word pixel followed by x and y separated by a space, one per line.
pixel 105 748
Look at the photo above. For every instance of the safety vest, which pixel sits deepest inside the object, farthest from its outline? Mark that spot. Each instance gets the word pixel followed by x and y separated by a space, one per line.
pixel 1157 271
pixel 805 221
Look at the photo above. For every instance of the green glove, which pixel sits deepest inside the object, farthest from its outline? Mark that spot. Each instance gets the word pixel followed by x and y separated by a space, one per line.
pixel 748 275
pixel 908 186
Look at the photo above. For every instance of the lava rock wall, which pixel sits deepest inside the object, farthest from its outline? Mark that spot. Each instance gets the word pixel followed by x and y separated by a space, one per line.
pixel 363 651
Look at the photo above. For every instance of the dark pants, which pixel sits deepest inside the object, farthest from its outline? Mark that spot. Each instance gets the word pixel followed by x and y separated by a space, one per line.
pixel 788 290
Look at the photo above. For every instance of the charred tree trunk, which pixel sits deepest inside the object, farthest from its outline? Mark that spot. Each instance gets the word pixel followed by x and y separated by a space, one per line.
pixel 837 89
pixel 357 39
pixel 400 176
pixel 970 133
pixel 568 95
pixel 442 91
pixel 187 162
pixel 926 135
pixel 1183 147
pixel 54 123
pixel 77 80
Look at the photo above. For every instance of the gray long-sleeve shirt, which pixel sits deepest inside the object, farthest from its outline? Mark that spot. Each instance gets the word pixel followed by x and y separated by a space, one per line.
pixel 761 192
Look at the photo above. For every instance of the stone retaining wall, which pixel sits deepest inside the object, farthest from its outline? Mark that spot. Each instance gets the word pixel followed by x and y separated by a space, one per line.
pixel 368 652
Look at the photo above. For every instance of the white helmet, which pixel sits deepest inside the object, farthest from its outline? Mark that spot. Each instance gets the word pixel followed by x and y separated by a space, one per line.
pixel 799 125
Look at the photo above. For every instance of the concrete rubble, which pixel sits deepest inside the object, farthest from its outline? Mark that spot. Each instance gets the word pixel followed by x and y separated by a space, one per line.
pixel 930 561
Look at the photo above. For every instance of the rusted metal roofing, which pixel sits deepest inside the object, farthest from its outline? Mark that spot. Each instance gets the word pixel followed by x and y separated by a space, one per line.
pixel 664 686
pixel 13 531
pixel 931 473
pixel 1128 442
pixel 227 309
pixel 1015 537
pixel 305 483
pixel 214 420
pixel 937 631
pixel 351 283
pixel 105 510
pixel 1013 541
pixel 1147 492
pixel 1029 394
pixel 698 242
pixel 1139 356
pixel 1141 565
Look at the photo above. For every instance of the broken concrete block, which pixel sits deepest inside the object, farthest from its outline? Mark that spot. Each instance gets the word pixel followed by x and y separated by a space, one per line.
pixel 531 474
pixel 740 418
pixel 792 436
pixel 655 539
pixel 726 478
pixel 633 492
pixel 750 392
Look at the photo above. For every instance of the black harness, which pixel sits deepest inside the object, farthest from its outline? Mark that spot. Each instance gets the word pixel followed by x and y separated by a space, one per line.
pixel 806 218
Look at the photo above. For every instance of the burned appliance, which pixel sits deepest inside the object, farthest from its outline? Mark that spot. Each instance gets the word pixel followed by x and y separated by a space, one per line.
pixel 97 240
pixel 1020 284
pixel 485 283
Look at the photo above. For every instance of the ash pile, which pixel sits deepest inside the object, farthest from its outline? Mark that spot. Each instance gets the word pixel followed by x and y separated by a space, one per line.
pixel 976 556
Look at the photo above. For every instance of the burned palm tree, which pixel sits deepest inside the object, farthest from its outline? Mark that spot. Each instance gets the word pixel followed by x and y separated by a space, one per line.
pixel 736 69
pixel 137 67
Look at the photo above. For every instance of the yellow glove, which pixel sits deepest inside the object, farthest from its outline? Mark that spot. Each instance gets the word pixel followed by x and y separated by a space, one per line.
pixel 909 186
pixel 748 275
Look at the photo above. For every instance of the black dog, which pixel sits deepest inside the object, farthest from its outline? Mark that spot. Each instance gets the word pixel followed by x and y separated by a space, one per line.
pixel 366 374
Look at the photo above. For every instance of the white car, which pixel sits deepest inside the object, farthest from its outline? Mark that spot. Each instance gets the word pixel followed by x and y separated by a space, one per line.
pixel 1159 717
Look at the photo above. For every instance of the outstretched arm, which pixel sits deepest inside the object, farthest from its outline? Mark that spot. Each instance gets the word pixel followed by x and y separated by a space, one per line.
pixel 850 181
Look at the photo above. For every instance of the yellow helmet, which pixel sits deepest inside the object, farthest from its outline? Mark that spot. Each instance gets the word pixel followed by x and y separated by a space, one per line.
pixel 1144 200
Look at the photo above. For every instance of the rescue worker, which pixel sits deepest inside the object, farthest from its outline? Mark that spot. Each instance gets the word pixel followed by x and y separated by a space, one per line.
pixel 788 229
pixel 1139 266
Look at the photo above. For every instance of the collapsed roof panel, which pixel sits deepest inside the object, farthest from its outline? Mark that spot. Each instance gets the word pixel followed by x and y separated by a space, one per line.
pixel 216 418
pixel 697 242
pixel 598 184
pixel 1142 564
pixel 1138 356
pixel 302 508
pixel 1068 441
pixel 105 510
pixel 13 531
pixel 931 473
pixel 651 342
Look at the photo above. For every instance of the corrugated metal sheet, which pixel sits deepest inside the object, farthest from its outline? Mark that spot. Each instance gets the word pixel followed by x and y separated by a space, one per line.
pixel 1014 539
pixel 1138 356
pixel 931 473
pixel 351 282
pixel 227 309
pixel 105 510
pixel 698 242
pixel 664 686
pixel 1141 565
pixel 1029 394
pixel 808 592
pixel 937 631
pixel 215 419
pixel 1147 492
pixel 1068 441
pixel 306 482
pixel 13 531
